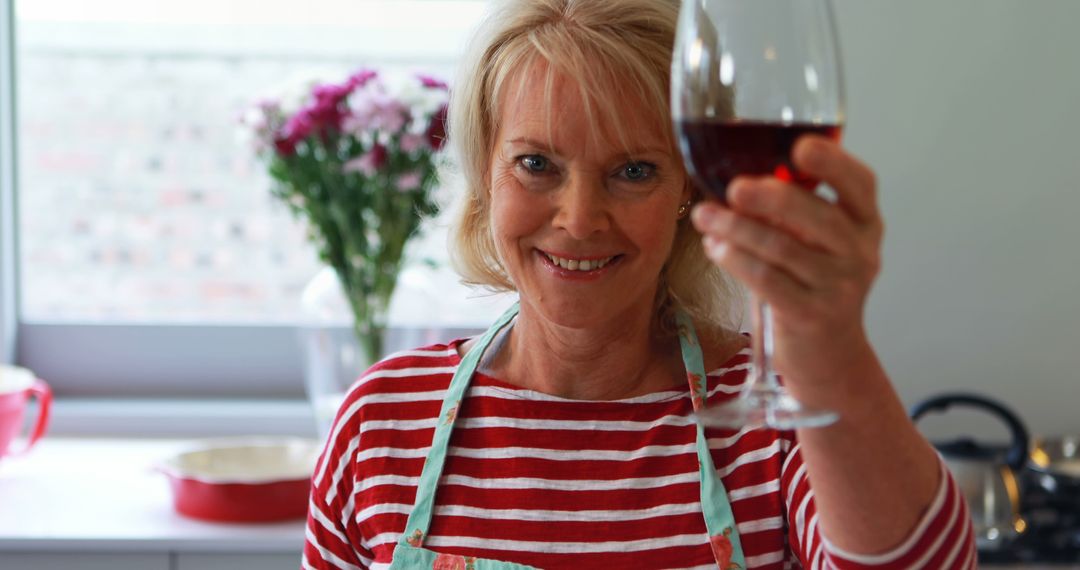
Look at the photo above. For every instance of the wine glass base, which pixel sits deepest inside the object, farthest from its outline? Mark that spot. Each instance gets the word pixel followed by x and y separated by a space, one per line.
pixel 776 411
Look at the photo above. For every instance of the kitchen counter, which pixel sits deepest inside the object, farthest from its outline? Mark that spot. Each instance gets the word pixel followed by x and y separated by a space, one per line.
pixel 100 503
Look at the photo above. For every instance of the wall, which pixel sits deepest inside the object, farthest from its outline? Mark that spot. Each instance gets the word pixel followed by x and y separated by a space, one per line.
pixel 968 111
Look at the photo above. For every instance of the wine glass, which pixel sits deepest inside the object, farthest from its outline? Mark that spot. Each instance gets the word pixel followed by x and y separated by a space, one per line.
pixel 749 77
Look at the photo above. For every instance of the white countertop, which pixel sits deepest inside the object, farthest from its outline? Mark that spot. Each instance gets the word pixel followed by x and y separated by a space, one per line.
pixel 87 495
pixel 104 495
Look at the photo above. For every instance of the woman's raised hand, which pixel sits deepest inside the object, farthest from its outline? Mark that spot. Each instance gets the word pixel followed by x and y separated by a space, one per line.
pixel 812 259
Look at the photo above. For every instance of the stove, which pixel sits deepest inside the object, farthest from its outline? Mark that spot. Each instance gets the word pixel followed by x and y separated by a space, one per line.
pixel 1052 538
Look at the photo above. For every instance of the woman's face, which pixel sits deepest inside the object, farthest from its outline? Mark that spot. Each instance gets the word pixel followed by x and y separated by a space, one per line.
pixel 582 226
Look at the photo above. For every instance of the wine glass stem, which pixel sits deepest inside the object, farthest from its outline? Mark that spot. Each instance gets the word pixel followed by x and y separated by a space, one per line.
pixel 763 380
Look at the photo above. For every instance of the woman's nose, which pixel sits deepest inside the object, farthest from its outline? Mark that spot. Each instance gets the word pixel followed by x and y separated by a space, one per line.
pixel 582 208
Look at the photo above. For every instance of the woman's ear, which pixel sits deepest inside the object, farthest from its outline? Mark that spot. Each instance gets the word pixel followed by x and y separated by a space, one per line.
pixel 687 191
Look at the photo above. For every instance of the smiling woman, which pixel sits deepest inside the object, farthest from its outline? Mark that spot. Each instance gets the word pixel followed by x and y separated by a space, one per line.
pixel 566 435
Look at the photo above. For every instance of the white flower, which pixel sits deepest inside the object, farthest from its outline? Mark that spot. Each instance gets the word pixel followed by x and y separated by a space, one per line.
pixel 373 108
pixel 387 102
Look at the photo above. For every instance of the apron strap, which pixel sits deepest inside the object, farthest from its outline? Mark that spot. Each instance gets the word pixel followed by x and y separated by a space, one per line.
pixel 416 528
pixel 719 519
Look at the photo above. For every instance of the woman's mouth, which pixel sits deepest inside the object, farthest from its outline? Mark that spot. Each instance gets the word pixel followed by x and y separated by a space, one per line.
pixel 574 267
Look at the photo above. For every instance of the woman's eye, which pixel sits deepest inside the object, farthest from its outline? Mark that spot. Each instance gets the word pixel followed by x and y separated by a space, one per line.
pixel 637 171
pixel 534 163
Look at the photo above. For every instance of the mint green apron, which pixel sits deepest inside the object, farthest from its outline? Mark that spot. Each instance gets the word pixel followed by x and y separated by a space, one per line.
pixel 719 520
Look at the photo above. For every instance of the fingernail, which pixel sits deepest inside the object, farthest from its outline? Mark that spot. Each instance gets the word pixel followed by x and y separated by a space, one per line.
pixel 703 215
pixel 741 191
pixel 717 247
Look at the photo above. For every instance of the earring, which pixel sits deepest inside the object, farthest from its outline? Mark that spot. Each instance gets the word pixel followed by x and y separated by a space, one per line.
pixel 684 208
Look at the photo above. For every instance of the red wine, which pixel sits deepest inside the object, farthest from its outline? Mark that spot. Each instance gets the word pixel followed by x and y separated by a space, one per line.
pixel 721 150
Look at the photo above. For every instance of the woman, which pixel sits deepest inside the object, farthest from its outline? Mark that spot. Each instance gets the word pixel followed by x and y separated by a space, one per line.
pixel 564 438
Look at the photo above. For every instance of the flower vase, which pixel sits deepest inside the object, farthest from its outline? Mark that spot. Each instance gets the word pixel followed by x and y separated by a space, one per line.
pixel 334 358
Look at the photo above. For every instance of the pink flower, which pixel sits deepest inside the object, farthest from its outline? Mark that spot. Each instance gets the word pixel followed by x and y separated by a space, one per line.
pixel 391 117
pixel 326 110
pixel 408 181
pixel 331 94
pixel 296 129
pixel 321 115
pixel 411 142
pixel 360 78
pixel 368 163
pixel 284 147
pixel 432 83
pixel 376 111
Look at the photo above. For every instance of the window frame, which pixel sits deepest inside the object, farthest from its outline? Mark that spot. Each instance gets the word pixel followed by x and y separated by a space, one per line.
pixel 8 244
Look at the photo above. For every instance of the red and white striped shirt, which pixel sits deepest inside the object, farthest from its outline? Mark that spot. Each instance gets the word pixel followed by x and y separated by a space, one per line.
pixel 557 483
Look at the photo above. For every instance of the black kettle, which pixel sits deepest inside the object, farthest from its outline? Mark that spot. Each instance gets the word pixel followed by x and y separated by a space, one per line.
pixel 987 475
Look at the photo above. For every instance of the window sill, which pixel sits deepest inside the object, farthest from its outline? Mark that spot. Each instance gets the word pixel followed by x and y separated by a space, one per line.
pixel 179 418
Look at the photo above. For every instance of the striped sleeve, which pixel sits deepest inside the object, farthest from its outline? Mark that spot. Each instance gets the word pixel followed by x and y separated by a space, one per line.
pixel 330 536
pixel 327 546
pixel 942 539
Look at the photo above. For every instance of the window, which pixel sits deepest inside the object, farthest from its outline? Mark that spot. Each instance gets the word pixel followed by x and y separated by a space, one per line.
pixel 151 258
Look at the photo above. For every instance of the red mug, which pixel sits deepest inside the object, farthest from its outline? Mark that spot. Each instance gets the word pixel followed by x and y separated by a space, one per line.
pixel 17 386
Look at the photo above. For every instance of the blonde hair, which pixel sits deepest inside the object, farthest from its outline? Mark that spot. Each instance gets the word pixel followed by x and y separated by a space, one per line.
pixel 603 46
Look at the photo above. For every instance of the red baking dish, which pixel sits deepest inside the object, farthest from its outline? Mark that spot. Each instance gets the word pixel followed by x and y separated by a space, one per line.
pixel 244 480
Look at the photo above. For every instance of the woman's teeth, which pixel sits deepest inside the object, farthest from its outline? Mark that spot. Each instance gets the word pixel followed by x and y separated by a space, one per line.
pixel 579 265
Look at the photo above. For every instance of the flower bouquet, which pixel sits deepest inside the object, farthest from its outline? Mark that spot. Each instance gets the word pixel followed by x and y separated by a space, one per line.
pixel 357 161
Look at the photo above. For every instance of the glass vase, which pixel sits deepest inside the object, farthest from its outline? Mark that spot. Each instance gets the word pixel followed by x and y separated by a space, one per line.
pixel 334 358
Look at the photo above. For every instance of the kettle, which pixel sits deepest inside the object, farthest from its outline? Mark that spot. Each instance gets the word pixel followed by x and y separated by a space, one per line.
pixel 987 475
